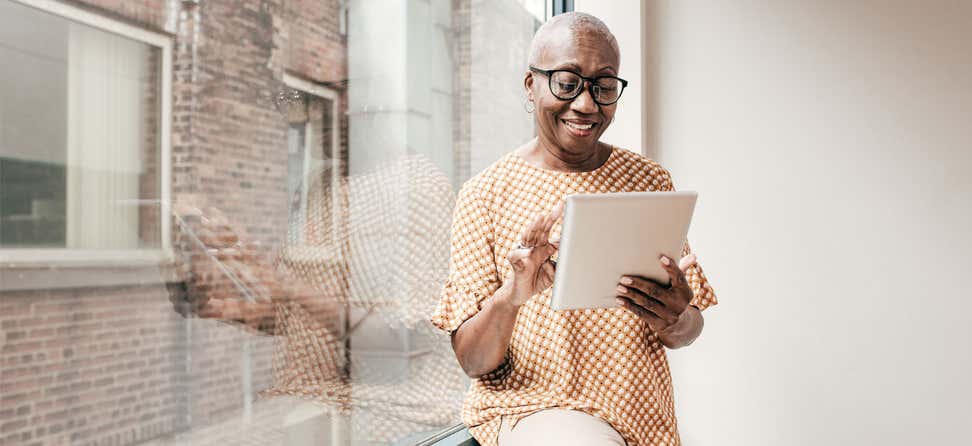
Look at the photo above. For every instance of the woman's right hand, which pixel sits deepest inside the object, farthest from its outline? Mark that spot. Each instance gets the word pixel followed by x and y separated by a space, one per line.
pixel 533 270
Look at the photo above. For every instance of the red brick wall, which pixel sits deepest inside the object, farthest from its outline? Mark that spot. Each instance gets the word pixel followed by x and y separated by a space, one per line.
pixel 116 365
pixel 80 365
pixel 149 218
pixel 150 14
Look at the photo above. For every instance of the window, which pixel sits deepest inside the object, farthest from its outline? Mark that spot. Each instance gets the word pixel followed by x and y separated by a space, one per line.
pixel 562 6
pixel 83 133
pixel 313 155
pixel 317 150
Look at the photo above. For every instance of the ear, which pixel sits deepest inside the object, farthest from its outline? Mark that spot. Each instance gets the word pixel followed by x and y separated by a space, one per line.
pixel 528 85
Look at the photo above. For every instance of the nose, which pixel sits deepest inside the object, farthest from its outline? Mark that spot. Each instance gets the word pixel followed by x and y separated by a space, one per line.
pixel 584 102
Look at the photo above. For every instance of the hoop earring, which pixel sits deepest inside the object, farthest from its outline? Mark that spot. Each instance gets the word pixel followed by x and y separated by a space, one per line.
pixel 528 106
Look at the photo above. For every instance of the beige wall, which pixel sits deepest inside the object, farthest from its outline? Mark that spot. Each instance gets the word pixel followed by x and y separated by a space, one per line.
pixel 830 142
pixel 623 17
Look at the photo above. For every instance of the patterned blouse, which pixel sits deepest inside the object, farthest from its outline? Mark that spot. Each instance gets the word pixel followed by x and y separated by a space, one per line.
pixel 605 362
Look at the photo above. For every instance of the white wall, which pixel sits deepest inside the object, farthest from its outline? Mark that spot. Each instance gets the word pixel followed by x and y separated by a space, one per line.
pixel 830 142
pixel 623 17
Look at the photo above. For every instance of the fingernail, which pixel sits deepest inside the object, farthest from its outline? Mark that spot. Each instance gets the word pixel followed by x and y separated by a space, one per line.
pixel 622 289
pixel 665 261
pixel 619 301
pixel 626 280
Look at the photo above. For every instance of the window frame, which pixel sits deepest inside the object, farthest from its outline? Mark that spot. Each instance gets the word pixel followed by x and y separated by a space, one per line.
pixel 561 6
pixel 37 257
pixel 320 91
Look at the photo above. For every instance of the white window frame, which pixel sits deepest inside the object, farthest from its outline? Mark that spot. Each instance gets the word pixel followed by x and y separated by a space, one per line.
pixel 332 95
pixel 34 257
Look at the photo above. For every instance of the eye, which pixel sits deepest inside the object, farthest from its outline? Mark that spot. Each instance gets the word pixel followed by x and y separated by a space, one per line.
pixel 607 85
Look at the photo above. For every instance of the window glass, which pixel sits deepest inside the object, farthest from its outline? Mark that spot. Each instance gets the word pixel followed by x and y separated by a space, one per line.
pixel 291 167
pixel 79 118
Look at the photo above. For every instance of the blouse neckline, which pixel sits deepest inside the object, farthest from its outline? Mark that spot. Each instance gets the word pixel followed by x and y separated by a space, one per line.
pixel 610 159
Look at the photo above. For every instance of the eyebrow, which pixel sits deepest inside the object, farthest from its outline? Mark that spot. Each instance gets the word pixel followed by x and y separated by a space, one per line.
pixel 575 67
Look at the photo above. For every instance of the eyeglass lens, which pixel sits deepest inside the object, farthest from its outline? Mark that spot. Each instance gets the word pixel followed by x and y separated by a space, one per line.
pixel 567 85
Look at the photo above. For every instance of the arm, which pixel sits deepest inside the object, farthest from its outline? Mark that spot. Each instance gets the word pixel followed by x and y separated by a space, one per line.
pixel 684 332
pixel 667 309
pixel 481 342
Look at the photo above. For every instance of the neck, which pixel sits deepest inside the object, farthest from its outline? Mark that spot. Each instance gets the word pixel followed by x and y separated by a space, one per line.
pixel 552 157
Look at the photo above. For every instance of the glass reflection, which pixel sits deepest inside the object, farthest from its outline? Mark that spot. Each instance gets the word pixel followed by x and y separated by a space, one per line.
pixel 227 221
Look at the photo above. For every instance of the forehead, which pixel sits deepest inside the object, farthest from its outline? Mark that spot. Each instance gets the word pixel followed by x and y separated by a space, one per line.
pixel 588 51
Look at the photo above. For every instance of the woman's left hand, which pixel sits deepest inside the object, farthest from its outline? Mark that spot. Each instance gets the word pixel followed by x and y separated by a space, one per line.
pixel 659 305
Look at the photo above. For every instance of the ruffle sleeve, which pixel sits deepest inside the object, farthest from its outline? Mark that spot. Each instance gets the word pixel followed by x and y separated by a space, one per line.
pixel 704 295
pixel 473 275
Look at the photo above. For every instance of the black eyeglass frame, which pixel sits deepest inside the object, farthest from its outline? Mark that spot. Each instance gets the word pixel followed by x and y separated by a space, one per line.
pixel 591 83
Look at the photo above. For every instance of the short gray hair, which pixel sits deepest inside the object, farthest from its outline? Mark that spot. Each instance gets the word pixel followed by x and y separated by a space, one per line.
pixel 576 22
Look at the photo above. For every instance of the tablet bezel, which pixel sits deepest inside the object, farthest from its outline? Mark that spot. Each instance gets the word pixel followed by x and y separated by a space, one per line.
pixel 586 277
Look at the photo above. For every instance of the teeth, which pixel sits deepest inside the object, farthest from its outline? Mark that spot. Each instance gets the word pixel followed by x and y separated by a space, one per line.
pixel 579 126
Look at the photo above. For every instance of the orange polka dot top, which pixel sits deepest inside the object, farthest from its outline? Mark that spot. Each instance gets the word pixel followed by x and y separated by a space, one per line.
pixel 605 362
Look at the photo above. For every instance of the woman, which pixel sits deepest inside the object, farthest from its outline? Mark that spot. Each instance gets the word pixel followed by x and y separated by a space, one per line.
pixel 582 377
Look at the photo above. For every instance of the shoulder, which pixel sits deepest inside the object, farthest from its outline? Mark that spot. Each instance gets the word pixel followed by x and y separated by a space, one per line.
pixel 492 180
pixel 636 161
pixel 643 169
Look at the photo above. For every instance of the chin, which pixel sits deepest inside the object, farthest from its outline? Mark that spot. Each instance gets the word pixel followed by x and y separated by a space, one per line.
pixel 578 145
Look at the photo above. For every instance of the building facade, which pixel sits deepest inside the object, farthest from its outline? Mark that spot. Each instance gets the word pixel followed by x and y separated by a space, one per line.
pixel 157 156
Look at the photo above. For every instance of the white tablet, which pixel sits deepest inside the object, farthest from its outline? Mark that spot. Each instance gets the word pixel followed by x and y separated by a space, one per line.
pixel 605 236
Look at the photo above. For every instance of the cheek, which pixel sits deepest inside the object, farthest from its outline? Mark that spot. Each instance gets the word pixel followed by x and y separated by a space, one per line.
pixel 551 114
pixel 608 113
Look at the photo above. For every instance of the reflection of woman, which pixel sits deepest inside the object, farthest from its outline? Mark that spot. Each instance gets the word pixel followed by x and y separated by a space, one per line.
pixel 568 377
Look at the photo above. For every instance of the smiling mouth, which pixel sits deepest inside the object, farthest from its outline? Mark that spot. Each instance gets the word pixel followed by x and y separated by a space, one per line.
pixel 579 126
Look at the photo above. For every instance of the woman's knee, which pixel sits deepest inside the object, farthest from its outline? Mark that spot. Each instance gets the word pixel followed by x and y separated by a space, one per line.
pixel 559 427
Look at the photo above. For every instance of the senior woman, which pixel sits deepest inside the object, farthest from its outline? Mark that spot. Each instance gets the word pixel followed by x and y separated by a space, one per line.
pixel 574 377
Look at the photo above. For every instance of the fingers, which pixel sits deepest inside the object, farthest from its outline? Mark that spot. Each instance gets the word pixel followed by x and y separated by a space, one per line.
pixel 653 320
pixel 525 258
pixel 687 262
pixel 549 268
pixel 552 218
pixel 646 286
pixel 543 237
pixel 517 258
pixel 538 233
pixel 214 309
pixel 543 253
pixel 531 235
pixel 676 275
pixel 648 303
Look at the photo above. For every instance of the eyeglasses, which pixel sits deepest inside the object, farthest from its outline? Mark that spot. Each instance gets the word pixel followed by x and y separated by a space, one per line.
pixel 567 85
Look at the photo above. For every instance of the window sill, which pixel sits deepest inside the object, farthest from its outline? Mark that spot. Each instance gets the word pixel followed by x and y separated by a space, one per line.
pixel 457 435
pixel 38 269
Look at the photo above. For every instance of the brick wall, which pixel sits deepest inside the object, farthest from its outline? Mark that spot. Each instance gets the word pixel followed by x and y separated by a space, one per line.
pixel 149 218
pixel 116 365
pixel 150 14
pixel 90 365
